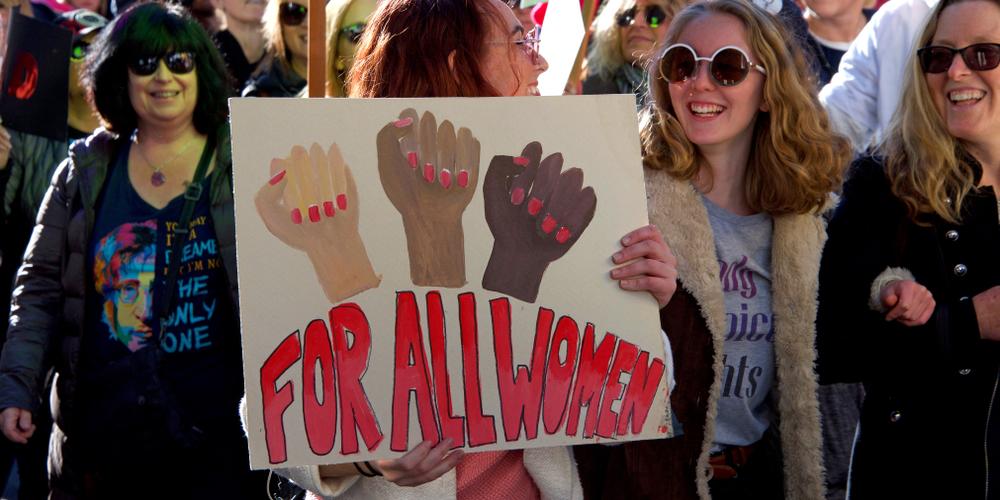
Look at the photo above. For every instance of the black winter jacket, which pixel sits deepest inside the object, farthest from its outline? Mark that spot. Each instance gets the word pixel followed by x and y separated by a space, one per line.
pixel 49 305
pixel 930 424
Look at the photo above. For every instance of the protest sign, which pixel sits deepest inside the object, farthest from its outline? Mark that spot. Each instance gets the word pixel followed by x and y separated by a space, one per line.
pixel 422 269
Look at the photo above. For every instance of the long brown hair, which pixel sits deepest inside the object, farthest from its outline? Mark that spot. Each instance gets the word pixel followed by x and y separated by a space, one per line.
pixel 407 44
pixel 796 160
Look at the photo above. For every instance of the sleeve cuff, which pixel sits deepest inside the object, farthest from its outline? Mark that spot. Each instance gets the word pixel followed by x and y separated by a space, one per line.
pixel 890 274
pixel 309 479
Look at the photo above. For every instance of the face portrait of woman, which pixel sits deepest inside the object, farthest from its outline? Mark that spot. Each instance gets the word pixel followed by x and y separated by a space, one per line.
pixel 643 26
pixel 167 96
pixel 350 29
pixel 713 115
pixel 510 62
pixel 966 98
pixel 294 29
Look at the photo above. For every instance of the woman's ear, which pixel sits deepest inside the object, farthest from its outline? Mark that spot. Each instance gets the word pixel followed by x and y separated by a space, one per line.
pixel 451 66
pixel 764 106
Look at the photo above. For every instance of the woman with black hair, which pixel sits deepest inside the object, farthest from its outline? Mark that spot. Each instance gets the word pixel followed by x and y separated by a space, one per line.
pixel 128 285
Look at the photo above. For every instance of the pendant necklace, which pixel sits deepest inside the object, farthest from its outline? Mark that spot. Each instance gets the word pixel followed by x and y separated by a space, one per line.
pixel 158 178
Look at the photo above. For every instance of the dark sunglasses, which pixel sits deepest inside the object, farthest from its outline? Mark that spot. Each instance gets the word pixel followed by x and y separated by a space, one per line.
pixel 728 66
pixel 292 14
pixel 353 32
pixel 655 15
pixel 179 63
pixel 978 57
pixel 78 51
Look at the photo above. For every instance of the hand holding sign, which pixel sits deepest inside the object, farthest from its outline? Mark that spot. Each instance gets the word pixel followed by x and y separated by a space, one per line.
pixel 536 212
pixel 318 184
pixel 429 174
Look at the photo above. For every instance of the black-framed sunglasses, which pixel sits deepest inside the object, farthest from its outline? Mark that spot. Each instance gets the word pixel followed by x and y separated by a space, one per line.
pixel 179 63
pixel 655 16
pixel 292 14
pixel 728 66
pixel 977 57
pixel 78 51
pixel 353 32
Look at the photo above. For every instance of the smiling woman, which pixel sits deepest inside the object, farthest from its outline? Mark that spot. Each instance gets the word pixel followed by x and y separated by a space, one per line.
pixel 147 357
pixel 282 72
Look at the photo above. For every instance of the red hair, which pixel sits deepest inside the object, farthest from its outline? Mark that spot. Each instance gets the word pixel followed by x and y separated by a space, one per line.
pixel 405 50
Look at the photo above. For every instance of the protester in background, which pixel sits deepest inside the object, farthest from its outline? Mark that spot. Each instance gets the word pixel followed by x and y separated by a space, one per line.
pixel 145 400
pixel 24 177
pixel 53 10
pixel 282 73
pixel 241 41
pixel 626 35
pixel 740 160
pixel 910 295
pixel 833 25
pixel 862 96
pixel 346 21
pixel 473 49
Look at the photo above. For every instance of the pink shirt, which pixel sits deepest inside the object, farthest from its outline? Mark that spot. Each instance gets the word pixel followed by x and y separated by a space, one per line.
pixel 496 475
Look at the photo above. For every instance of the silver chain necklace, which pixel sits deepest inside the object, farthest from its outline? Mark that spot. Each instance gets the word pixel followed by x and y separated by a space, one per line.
pixel 158 178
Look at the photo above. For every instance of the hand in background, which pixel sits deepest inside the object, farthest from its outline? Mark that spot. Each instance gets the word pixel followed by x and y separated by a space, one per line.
pixel 536 213
pixel 16 424
pixel 907 301
pixel 987 305
pixel 311 204
pixel 429 173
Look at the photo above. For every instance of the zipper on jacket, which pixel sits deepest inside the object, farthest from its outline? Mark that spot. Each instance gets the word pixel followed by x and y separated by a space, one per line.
pixel 986 436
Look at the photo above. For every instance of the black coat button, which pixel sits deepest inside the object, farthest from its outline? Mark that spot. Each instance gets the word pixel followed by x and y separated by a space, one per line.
pixel 895 416
pixel 951 235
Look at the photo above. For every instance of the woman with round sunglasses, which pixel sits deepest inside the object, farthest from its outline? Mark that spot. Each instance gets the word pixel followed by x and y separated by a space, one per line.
pixel 739 163
pixel 910 297
pixel 626 35
pixel 346 21
pixel 282 71
pixel 470 49
pixel 133 307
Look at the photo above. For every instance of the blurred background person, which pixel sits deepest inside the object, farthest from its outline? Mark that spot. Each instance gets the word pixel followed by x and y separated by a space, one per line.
pixel 346 21
pixel 241 41
pixel 139 411
pixel 282 72
pixel 910 280
pixel 833 25
pixel 626 35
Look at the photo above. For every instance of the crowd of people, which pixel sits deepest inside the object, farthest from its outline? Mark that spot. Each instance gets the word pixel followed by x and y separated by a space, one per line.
pixel 831 170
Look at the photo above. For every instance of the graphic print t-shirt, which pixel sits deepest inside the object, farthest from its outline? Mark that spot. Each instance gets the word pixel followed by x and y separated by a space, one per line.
pixel 129 265
pixel 743 248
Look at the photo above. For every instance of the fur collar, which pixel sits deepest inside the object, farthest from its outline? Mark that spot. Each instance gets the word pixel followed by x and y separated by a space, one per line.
pixel 675 207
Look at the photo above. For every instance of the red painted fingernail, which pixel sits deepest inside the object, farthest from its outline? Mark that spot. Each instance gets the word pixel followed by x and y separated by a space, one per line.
pixel 277 178
pixel 314 212
pixel 548 223
pixel 428 172
pixel 534 206
pixel 411 157
pixel 517 197
pixel 521 161
pixel 563 234
pixel 296 216
pixel 342 201
pixel 403 122
pixel 463 178
pixel 328 208
pixel 445 178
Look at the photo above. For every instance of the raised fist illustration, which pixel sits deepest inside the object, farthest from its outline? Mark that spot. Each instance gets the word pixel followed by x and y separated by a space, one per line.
pixel 536 212
pixel 429 172
pixel 311 204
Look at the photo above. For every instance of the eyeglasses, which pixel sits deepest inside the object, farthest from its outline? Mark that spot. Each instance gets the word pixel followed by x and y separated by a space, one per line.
pixel 179 63
pixel 728 66
pixel 353 32
pixel 978 57
pixel 654 16
pixel 79 50
pixel 292 14
pixel 529 44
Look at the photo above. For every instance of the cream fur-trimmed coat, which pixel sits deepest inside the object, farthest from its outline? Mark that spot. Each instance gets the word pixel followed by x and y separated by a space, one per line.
pixel 675 207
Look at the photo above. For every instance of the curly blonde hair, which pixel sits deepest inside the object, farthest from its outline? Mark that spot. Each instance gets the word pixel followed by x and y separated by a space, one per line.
pixel 605 55
pixel 925 164
pixel 796 159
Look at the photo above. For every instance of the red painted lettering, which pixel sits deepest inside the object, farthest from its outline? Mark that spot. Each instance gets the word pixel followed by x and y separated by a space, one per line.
pixel 320 416
pixel 482 429
pixel 520 394
pixel 559 375
pixel 410 376
pixel 276 401
pixel 624 361
pixel 451 426
pixel 639 395
pixel 589 381
pixel 356 413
